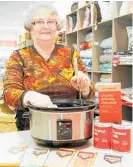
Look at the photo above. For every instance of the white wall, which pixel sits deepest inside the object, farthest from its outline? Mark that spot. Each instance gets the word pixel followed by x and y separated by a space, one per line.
pixel 8 36
pixel 9 31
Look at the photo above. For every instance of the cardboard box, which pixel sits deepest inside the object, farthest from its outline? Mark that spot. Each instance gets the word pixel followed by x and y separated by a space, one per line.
pixel 110 107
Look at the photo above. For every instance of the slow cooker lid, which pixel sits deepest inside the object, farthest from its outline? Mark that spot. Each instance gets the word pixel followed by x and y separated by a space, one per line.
pixel 67 104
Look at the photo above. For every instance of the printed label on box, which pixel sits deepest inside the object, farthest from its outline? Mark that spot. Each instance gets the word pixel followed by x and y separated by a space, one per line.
pixel 110 107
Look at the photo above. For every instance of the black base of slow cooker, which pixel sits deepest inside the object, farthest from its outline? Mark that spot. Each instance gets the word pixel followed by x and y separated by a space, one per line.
pixel 74 143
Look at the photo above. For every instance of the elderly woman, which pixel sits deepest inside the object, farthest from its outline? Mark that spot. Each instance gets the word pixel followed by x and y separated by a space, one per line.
pixel 37 74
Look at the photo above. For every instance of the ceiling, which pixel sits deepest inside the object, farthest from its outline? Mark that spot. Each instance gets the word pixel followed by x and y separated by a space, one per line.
pixel 13 13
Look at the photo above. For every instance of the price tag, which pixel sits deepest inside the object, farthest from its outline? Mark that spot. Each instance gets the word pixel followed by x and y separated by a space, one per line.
pixel 96 43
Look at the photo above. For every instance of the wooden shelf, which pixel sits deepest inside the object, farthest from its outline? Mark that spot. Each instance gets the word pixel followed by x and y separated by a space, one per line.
pixel 69 33
pixel 107 23
pixel 127 105
pixel 83 7
pixel 71 38
pixel 72 13
pixel 85 28
pixel 124 17
pixel 120 32
pixel 124 65
pixel 122 74
pixel 105 72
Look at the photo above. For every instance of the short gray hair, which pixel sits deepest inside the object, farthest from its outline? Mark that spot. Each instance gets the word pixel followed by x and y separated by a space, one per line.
pixel 46 6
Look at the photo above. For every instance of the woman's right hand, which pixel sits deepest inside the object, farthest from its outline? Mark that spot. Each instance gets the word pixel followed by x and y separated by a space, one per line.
pixel 37 99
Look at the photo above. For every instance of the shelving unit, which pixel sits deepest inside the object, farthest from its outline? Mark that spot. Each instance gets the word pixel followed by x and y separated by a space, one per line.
pixel 115 27
pixel 25 44
pixel 24 40
pixel 78 35
pixel 103 31
pixel 123 72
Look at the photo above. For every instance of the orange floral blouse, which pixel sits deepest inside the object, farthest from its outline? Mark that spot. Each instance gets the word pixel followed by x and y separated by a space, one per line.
pixel 28 70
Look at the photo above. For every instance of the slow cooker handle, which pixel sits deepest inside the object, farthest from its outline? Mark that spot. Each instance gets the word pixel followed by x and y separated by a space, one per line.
pixel 26 115
pixel 96 113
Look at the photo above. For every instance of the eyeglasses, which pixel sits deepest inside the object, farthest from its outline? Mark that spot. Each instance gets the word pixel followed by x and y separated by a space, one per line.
pixel 40 23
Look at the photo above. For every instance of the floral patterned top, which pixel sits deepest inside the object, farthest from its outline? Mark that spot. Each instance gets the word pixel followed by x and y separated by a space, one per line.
pixel 28 70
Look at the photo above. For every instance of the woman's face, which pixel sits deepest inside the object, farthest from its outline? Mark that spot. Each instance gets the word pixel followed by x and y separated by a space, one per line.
pixel 43 26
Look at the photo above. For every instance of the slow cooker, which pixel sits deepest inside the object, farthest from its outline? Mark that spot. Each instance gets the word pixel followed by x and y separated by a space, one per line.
pixel 68 124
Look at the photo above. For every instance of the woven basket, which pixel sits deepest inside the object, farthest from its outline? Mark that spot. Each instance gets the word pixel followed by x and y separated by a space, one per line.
pixel 7 123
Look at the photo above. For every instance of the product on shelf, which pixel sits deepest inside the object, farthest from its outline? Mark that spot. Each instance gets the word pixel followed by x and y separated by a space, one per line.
pixel 86 56
pixel 121 137
pixel 106 78
pixel 106 43
pixel 87 19
pixel 25 36
pixel 86 45
pixel 110 107
pixel 105 59
pixel 60 39
pixel 102 135
pixel 130 37
pixel 25 40
pixel 25 43
pixel 107 50
pixel 97 12
pixel 127 96
pixel 122 58
pixel 72 22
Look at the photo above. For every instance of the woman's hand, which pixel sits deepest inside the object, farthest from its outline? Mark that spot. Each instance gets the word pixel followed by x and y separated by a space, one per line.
pixel 82 82
pixel 37 99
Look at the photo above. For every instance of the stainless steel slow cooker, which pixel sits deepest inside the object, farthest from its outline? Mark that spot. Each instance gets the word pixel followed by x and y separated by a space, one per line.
pixel 70 123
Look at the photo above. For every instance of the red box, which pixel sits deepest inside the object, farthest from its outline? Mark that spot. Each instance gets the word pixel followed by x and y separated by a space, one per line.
pixel 110 107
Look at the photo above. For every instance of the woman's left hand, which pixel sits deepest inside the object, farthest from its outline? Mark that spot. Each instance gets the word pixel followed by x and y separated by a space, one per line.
pixel 82 82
